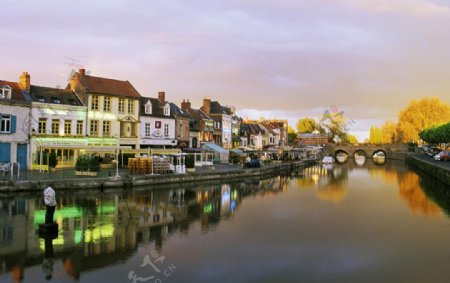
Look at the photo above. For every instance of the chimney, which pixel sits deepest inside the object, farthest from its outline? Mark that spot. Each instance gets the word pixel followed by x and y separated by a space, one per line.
pixel 186 105
pixel 24 81
pixel 207 105
pixel 82 72
pixel 162 96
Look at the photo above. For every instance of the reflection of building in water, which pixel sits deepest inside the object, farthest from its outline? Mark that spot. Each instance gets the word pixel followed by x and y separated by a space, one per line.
pixel 331 183
pixel 101 229
pixel 88 226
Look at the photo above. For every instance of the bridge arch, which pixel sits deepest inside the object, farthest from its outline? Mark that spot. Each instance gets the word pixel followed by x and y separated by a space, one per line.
pixel 341 156
pixel 360 152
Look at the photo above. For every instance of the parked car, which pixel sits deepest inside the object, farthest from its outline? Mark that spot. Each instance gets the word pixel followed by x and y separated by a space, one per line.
pixel 433 151
pixel 442 156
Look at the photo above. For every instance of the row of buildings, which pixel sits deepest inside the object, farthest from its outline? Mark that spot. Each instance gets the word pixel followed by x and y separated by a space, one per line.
pixel 102 115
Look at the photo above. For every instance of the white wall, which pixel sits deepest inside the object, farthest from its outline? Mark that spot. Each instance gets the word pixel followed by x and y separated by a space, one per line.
pixel 22 127
pixel 156 135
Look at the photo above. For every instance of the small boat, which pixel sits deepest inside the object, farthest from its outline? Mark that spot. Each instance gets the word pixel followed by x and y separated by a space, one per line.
pixel 328 160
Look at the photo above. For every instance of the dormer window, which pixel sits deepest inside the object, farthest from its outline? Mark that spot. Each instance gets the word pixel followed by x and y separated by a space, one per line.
pixel 56 100
pixel 148 107
pixel 6 92
pixel 166 110
pixel 40 98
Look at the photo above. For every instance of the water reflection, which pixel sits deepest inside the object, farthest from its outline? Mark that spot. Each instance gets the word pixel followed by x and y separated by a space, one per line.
pixel 360 157
pixel 98 230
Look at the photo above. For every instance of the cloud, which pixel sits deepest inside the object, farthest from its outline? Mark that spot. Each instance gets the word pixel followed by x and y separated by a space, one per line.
pixel 289 58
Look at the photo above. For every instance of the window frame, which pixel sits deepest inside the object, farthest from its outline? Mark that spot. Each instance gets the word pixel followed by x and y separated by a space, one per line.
pixel 93 124
pixel 107 101
pixel 55 125
pixel 108 125
pixel 95 102
pixel 42 126
pixel 80 129
pixel 5 121
pixel 67 127
pixel 148 129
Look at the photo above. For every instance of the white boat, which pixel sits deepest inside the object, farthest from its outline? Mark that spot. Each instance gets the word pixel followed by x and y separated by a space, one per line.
pixel 328 160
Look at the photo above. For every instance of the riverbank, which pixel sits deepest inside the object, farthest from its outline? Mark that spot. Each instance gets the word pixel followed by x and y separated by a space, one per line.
pixel 437 169
pixel 215 172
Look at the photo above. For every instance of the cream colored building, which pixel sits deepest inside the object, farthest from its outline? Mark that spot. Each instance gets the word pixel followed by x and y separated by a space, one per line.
pixel 112 110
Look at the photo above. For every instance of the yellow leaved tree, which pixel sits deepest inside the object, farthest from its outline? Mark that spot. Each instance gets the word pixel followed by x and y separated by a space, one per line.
pixel 421 114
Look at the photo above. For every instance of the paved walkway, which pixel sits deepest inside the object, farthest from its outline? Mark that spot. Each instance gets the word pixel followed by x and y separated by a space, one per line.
pixel 69 173
pixel 429 159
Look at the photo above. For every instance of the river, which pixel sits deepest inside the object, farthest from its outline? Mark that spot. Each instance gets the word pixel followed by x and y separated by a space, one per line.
pixel 347 223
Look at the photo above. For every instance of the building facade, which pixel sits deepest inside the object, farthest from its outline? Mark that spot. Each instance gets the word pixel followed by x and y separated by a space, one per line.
pixel 201 126
pixel 58 123
pixel 157 123
pixel 15 106
pixel 112 109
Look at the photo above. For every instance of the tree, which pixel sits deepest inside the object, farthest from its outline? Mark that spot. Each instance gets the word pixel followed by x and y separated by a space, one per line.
pixel 306 125
pixel 352 139
pixel 376 136
pixel 389 132
pixel 436 135
pixel 335 125
pixel 419 115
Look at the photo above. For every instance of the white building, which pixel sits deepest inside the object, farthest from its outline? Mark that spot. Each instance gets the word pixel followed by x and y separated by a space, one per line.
pixel 157 123
pixel 14 121
pixel 58 124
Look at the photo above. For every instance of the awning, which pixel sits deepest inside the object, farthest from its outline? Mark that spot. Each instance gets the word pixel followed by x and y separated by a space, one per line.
pixel 237 151
pixel 215 147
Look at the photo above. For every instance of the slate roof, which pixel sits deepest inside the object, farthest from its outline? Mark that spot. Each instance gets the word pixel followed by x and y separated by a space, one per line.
pixel 178 111
pixel 216 108
pixel 17 94
pixel 157 108
pixel 54 96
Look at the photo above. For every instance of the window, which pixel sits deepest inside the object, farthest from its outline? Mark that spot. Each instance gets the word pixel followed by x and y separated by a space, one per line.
pixel 148 108
pixel 55 126
pixel 79 127
pixel 121 105
pixel 56 100
pixel 106 128
pixel 181 130
pixel 94 102
pixel 42 126
pixel 107 104
pixel 131 106
pixel 148 129
pixel 6 92
pixel 94 127
pixel 166 110
pixel 166 130
pixel 5 126
pixel 40 98
pixel 67 127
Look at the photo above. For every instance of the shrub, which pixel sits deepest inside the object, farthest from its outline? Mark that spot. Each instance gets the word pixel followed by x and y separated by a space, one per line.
pixel 82 163
pixel 94 164
pixel 52 160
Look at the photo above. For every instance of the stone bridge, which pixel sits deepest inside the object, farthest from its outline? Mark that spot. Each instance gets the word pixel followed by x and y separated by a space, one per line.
pixel 391 151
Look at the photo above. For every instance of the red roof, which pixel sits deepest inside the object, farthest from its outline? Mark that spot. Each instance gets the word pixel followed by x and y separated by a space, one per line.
pixel 16 94
pixel 109 86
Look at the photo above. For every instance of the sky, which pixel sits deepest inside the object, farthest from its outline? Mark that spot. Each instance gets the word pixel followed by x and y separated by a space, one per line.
pixel 272 59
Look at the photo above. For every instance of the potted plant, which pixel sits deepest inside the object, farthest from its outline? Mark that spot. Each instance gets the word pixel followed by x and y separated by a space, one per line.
pixel 190 163
pixel 52 161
